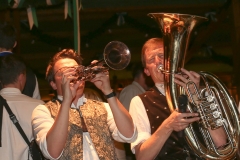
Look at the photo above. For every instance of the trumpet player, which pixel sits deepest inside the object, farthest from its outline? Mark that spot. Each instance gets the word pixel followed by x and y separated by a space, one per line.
pixel 157 126
pixel 73 127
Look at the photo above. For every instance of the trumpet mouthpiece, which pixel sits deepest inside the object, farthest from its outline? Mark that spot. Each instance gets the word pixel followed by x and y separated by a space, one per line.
pixel 160 68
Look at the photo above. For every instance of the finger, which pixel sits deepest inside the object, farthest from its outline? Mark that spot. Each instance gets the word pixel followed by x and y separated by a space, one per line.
pixel 189 75
pixel 189 114
pixel 190 120
pixel 181 83
pixel 94 61
pixel 181 77
pixel 195 76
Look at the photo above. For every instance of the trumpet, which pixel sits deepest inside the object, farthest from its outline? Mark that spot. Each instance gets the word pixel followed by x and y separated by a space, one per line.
pixel 116 56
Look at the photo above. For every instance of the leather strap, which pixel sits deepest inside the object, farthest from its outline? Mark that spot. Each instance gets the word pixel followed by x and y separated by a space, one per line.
pixel 14 119
pixel 112 94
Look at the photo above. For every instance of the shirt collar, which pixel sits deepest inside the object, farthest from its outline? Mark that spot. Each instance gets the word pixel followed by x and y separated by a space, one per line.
pixel 5 53
pixel 80 101
pixel 10 91
pixel 160 87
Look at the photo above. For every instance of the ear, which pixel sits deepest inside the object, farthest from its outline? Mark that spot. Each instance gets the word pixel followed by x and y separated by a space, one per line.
pixel 53 85
pixel 15 44
pixel 22 81
pixel 146 71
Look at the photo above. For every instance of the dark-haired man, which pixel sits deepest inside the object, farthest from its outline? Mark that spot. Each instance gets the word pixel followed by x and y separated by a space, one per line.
pixel 7 43
pixel 13 79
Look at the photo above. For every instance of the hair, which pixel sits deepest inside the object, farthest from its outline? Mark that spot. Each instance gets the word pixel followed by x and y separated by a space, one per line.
pixel 10 68
pixel 65 53
pixel 137 69
pixel 150 44
pixel 8 35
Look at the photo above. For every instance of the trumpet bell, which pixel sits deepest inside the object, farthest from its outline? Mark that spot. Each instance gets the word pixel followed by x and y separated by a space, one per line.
pixel 116 55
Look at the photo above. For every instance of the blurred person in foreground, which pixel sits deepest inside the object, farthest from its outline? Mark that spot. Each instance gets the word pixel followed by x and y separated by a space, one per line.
pixel 74 127
pixel 158 128
pixel 13 80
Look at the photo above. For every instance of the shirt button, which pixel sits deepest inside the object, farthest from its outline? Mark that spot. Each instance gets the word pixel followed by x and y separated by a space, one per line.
pixel 165 107
pixel 165 152
pixel 157 117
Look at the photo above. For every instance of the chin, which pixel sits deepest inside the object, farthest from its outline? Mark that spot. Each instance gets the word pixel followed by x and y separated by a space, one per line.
pixel 81 88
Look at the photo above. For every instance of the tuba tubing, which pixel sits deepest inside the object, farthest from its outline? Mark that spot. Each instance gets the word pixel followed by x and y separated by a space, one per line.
pixel 213 99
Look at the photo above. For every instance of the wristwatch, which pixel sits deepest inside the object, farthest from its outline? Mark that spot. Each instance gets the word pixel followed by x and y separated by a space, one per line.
pixel 112 94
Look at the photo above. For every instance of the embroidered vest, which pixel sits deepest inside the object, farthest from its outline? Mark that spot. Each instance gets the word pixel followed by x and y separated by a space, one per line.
pixel 95 117
pixel 157 110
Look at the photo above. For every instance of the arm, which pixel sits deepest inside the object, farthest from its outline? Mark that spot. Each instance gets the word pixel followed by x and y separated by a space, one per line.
pixel 121 116
pixel 148 146
pixel 57 135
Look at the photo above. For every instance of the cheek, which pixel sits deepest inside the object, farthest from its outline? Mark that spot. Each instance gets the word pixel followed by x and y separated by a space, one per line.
pixel 58 83
pixel 81 84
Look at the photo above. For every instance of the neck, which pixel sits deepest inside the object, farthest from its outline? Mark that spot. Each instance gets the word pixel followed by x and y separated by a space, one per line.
pixel 75 100
pixel 13 86
pixel 5 50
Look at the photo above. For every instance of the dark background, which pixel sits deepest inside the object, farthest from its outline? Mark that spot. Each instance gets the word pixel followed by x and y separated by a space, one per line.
pixel 213 45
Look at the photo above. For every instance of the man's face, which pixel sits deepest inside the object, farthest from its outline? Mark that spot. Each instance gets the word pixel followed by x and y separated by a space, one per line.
pixel 59 66
pixel 154 57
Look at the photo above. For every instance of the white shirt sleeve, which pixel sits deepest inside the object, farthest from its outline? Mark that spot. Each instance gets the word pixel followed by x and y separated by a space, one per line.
pixel 140 118
pixel 114 130
pixel 42 122
pixel 36 93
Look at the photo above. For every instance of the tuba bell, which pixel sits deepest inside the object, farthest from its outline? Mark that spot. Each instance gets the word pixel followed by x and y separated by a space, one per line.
pixel 213 103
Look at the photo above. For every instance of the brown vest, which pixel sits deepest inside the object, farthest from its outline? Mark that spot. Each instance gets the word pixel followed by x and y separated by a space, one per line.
pixel 95 117
pixel 157 110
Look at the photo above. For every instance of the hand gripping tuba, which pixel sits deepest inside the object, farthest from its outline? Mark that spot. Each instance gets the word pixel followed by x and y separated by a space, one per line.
pixel 213 102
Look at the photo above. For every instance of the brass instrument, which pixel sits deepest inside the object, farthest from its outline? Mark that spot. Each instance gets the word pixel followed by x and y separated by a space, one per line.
pixel 116 55
pixel 213 103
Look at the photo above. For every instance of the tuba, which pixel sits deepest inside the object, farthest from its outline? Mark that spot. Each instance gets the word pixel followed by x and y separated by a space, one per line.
pixel 213 102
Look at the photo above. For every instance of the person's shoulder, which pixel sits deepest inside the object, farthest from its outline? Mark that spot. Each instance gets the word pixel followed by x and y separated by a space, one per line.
pixel 128 88
pixel 30 99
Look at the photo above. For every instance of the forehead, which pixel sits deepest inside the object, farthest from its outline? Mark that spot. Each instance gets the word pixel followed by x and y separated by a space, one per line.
pixel 65 63
pixel 153 51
